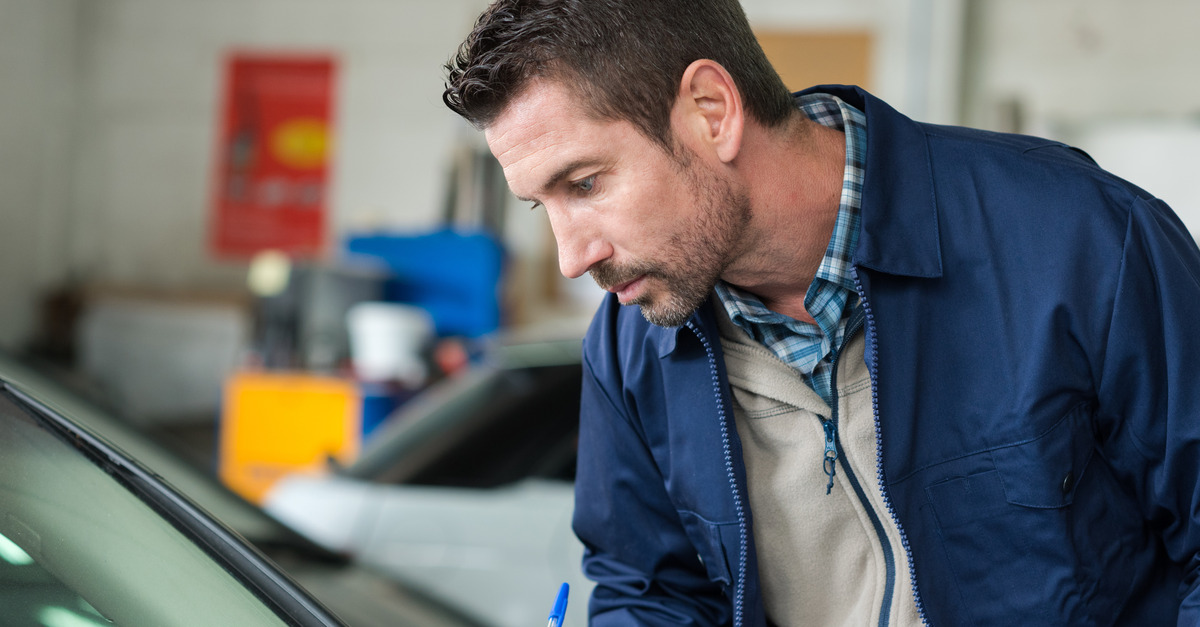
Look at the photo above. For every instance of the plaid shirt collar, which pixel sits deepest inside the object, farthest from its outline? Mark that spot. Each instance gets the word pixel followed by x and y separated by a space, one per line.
pixel 805 346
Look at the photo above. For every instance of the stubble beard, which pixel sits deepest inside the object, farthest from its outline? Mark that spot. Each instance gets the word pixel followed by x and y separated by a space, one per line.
pixel 680 281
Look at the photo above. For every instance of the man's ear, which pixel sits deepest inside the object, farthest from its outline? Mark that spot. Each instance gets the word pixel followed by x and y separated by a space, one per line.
pixel 710 108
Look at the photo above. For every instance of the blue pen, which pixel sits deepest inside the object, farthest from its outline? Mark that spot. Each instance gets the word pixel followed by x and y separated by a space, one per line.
pixel 560 607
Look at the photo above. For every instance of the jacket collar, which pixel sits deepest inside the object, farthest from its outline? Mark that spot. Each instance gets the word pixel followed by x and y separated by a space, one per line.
pixel 899 210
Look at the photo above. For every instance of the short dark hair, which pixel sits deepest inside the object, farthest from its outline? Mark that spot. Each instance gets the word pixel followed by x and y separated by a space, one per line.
pixel 623 58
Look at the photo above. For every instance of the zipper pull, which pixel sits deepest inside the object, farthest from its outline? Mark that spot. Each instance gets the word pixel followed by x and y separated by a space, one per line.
pixel 831 454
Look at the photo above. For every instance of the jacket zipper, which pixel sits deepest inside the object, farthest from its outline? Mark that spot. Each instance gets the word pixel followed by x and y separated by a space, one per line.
pixel 740 583
pixel 873 341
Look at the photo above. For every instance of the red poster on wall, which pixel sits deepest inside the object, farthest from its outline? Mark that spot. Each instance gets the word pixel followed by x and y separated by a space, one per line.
pixel 273 154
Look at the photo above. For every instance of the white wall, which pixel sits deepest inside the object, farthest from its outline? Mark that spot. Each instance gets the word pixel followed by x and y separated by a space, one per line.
pixel 108 109
pixel 37 78
pixel 108 118
pixel 1084 59
pixel 150 97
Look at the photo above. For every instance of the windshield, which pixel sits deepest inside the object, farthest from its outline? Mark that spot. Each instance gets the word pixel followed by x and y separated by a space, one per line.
pixel 79 548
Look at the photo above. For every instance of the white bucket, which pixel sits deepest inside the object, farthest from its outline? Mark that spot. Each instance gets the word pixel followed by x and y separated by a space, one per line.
pixel 387 341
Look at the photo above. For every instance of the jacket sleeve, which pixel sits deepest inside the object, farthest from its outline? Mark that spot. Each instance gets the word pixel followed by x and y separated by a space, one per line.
pixel 636 550
pixel 1149 386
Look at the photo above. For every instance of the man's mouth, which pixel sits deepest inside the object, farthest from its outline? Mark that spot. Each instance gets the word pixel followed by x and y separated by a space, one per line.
pixel 626 292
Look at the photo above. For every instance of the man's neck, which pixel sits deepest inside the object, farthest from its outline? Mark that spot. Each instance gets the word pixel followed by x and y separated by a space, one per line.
pixel 795 181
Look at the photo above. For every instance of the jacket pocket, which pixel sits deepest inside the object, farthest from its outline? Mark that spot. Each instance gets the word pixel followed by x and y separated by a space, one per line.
pixel 1040 473
pixel 718 546
pixel 1044 472
pixel 1008 532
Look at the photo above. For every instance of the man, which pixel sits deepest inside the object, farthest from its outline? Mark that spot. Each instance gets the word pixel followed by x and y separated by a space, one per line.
pixel 884 372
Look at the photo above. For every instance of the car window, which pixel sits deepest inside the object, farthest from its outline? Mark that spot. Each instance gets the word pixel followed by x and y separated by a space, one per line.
pixel 529 427
pixel 80 545
pixel 494 428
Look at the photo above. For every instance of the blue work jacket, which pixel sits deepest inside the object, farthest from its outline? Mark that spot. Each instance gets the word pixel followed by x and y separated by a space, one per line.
pixel 1032 340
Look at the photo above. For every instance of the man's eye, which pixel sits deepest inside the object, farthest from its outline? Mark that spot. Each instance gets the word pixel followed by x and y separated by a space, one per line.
pixel 586 185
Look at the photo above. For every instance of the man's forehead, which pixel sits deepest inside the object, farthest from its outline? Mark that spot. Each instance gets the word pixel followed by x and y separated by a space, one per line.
pixel 542 113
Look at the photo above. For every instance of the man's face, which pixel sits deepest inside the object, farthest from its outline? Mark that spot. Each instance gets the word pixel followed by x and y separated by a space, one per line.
pixel 654 228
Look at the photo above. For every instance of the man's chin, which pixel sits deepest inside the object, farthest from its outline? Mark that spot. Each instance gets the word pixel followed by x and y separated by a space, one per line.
pixel 668 316
pixel 666 307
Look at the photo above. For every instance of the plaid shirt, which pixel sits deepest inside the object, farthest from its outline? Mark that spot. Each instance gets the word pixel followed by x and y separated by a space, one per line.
pixel 831 298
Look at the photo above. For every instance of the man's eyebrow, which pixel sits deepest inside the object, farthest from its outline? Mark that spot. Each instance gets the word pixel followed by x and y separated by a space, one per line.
pixel 560 175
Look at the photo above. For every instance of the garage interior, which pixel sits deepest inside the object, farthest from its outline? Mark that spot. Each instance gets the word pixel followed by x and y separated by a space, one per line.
pixel 128 274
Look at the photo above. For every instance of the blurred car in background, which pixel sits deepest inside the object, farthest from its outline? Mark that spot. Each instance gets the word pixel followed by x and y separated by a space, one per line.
pixel 99 526
pixel 467 492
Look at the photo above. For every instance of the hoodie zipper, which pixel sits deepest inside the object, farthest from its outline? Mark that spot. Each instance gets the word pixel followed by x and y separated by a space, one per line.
pixel 832 453
pixel 873 341
pixel 853 326
pixel 830 425
pixel 739 590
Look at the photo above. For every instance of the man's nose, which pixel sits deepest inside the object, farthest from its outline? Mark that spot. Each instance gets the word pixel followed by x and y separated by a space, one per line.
pixel 578 247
